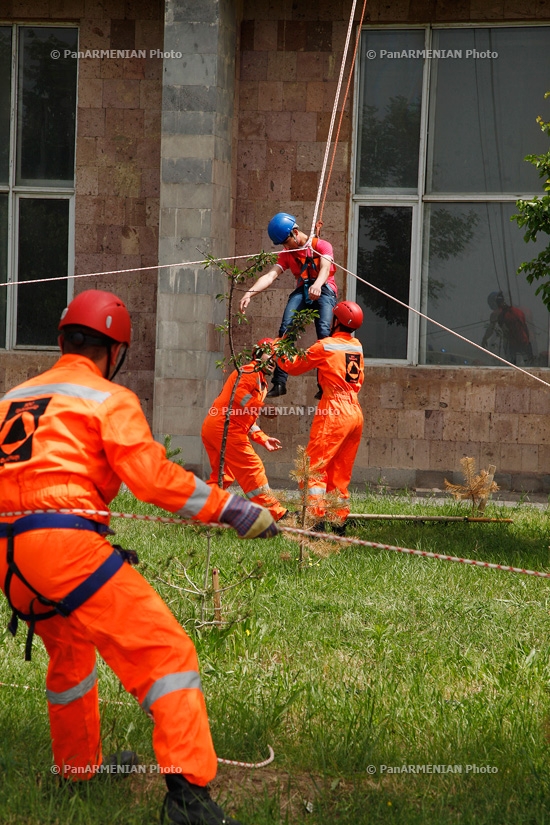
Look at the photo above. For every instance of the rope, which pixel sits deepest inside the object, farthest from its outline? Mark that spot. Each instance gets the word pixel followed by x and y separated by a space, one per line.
pixel 408 551
pixel 319 223
pixel 321 255
pixel 299 531
pixel 332 119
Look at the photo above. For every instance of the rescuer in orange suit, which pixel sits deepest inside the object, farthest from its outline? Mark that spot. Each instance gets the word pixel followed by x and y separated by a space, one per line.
pixel 338 421
pixel 68 438
pixel 241 462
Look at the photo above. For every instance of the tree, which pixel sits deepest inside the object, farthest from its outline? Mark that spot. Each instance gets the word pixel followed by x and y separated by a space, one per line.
pixel 285 346
pixel 535 216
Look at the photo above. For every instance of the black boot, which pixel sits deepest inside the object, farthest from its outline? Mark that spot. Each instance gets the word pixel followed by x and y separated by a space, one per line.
pixel 318 527
pixel 276 390
pixel 339 529
pixel 188 804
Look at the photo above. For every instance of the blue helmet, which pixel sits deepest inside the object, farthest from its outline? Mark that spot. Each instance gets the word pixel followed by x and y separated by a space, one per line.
pixel 280 226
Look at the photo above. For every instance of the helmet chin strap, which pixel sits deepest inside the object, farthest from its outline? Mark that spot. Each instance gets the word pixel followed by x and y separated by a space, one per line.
pixel 120 362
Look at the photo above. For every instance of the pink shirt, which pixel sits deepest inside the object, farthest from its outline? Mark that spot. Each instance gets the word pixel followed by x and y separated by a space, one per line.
pixel 294 261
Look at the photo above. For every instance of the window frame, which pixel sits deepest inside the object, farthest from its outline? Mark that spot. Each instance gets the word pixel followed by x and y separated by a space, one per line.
pixel 16 191
pixel 421 198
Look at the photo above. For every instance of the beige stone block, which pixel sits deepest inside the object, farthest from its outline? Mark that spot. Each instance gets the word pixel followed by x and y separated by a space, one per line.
pixel 456 426
pixel 90 93
pixel 422 454
pixel 87 180
pixel 490 454
pixel 380 452
pixel 532 429
pixel 529 458
pixel 188 146
pixel 468 449
pixel 504 428
pixel 391 395
pixel 385 424
pixel 270 95
pixel 479 398
pixel 433 424
pixel 544 458
pixel 480 426
pixel 410 424
pixel 442 455
pixel 309 156
pixel 402 453
pixel 510 458
pixel 86 153
pixel 540 401
pixel 512 400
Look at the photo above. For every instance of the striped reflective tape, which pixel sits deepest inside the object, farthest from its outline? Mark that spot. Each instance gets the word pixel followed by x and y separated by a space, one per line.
pixel 70 390
pixel 65 697
pixel 185 680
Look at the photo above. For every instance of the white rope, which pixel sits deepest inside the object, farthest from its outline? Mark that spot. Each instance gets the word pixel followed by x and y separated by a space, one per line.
pixel 333 118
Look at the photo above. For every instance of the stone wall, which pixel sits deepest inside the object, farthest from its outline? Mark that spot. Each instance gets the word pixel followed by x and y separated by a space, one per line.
pixel 196 211
pixel 419 421
pixel 117 168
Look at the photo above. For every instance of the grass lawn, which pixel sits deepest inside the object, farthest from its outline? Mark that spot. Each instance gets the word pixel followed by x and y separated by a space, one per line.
pixel 393 689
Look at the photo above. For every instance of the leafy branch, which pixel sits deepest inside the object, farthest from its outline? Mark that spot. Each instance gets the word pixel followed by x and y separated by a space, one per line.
pixel 535 216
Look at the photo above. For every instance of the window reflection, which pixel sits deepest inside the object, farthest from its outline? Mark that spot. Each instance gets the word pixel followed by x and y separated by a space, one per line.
pixel 43 250
pixel 46 107
pixel 473 289
pixel 384 259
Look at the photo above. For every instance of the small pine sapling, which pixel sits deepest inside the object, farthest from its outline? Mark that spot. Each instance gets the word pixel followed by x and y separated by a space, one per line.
pixel 477 487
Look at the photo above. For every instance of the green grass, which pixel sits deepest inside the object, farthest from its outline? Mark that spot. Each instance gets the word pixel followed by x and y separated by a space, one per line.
pixel 364 658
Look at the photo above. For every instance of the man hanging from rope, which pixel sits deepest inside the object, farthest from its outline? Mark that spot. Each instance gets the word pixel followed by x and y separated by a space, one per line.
pixel 241 462
pixel 68 438
pixel 338 421
pixel 313 268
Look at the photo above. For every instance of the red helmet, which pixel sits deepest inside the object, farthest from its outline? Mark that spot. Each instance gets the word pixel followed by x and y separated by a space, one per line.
pixel 101 311
pixel 349 314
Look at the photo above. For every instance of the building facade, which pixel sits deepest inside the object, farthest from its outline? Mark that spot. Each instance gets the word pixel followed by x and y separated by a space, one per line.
pixel 153 133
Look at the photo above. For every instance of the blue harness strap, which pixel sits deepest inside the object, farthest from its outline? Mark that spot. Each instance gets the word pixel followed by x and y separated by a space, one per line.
pixel 81 593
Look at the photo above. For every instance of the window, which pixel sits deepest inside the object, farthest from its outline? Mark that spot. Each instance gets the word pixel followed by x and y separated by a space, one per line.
pixel 444 119
pixel 37 156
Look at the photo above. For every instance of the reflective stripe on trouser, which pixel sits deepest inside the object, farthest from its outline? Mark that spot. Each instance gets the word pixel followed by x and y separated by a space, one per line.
pixel 242 464
pixel 333 443
pixel 137 636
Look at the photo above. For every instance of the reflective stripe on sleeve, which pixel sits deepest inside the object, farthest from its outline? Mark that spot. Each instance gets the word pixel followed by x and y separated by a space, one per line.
pixel 196 500
pixel 254 429
pixel 333 346
pixel 185 680
pixel 245 399
pixel 74 693
pixel 70 390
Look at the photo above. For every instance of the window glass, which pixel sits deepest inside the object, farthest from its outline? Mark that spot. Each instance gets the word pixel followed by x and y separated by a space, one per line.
pixel 470 285
pixel 389 111
pixel 483 110
pixel 46 107
pixel 384 259
pixel 3 266
pixel 5 92
pixel 43 251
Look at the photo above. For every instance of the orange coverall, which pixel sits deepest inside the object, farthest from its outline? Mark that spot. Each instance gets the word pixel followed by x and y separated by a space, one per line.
pixel 68 438
pixel 338 421
pixel 241 463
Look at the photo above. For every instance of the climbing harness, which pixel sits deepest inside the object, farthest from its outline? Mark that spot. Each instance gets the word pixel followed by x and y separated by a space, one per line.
pixel 77 596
